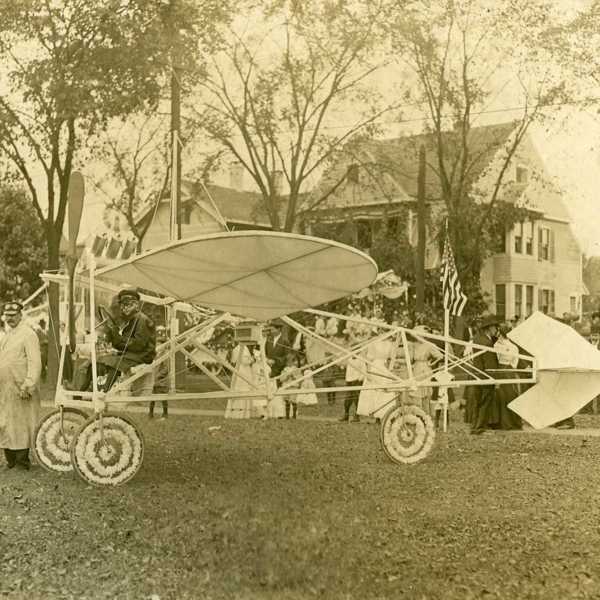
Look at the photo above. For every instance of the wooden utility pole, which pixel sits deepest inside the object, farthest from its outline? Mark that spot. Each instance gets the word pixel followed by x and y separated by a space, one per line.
pixel 176 360
pixel 421 232
pixel 175 221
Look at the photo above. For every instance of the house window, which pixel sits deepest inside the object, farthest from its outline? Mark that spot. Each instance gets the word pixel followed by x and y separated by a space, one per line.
pixel 528 227
pixel 546 301
pixel 518 300
pixel 543 300
pixel 364 237
pixel 573 305
pixel 518 230
pixel 528 300
pixel 500 245
pixel 545 244
pixel 501 301
pixel 393 225
pixel 522 174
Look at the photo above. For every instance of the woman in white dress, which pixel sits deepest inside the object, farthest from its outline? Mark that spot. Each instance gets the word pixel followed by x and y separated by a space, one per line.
pixel 422 355
pixel 259 403
pixel 244 379
pixel 376 402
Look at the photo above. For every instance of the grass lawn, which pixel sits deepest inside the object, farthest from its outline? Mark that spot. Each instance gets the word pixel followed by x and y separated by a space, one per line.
pixel 291 510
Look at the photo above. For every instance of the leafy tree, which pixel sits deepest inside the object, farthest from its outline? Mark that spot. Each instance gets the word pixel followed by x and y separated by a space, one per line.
pixel 71 65
pixel 571 44
pixel 459 51
pixel 277 99
pixel 22 245
pixel 139 169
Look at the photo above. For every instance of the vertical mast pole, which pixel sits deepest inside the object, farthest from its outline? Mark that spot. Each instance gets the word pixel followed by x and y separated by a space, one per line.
pixel 175 221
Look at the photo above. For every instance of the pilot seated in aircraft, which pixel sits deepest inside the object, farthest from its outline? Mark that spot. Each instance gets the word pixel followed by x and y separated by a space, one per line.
pixel 133 341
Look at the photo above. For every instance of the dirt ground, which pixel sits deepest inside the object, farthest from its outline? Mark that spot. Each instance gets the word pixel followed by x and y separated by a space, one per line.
pixel 290 510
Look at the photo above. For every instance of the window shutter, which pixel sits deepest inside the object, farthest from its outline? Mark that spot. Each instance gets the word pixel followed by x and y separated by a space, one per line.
pixel 540 299
pixel 552 310
pixel 540 243
pixel 551 242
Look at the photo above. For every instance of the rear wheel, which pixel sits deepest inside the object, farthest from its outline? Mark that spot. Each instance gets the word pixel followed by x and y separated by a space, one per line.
pixel 53 438
pixel 407 434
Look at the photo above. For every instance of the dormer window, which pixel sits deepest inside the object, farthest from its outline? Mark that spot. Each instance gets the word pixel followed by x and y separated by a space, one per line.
pixel 522 175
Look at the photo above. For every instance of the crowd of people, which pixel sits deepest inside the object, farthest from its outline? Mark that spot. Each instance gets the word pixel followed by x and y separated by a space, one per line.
pixel 310 358
pixel 382 360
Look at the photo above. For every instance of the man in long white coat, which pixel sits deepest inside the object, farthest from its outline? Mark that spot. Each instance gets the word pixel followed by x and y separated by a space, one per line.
pixel 20 370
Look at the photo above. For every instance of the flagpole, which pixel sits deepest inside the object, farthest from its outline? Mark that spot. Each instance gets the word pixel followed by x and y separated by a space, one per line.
pixel 446 360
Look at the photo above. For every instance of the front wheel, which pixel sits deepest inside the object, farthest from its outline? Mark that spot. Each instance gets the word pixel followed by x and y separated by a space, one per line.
pixel 108 450
pixel 407 434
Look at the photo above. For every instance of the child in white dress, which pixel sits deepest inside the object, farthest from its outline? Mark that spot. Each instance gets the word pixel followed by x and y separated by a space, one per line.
pixel 289 374
pixel 308 398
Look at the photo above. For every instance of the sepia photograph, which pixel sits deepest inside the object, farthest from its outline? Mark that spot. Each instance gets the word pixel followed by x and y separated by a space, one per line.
pixel 299 299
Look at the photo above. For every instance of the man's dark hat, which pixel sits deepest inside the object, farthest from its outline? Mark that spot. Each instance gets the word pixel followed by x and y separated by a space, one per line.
pixel 12 308
pixel 490 320
pixel 128 293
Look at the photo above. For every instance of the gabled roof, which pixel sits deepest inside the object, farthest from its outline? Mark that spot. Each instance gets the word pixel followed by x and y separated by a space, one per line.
pixel 400 156
pixel 234 205
pixel 391 171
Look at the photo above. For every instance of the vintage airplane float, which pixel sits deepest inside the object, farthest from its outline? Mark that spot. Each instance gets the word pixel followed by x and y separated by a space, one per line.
pixel 260 276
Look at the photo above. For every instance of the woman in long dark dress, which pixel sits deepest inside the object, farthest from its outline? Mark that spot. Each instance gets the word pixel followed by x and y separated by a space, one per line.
pixel 508 358
pixel 469 396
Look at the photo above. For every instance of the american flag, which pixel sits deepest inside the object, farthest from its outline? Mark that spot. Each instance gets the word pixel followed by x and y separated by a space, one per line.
pixel 454 299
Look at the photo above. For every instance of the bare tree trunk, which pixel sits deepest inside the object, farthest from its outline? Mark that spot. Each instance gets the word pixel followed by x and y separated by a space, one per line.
pixel 422 233
pixel 53 309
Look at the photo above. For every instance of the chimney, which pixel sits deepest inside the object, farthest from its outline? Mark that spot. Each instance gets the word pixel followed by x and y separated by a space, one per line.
pixel 236 175
pixel 278 182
